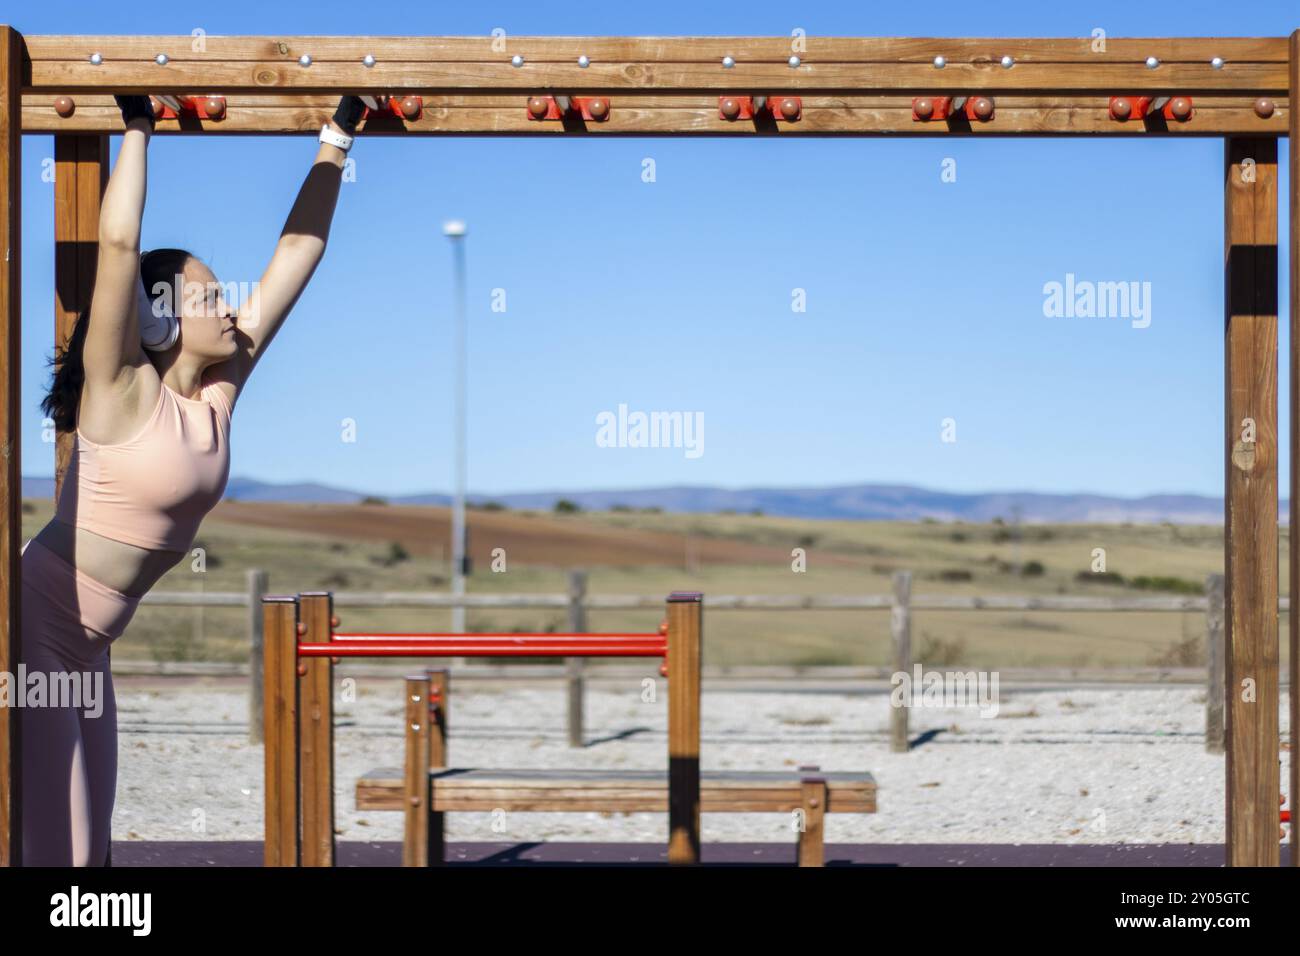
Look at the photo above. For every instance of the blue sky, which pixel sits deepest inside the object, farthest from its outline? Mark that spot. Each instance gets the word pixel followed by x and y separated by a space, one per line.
pixel 924 298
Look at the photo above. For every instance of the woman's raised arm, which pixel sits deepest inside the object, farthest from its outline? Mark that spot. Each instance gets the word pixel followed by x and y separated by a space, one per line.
pixel 302 242
pixel 113 333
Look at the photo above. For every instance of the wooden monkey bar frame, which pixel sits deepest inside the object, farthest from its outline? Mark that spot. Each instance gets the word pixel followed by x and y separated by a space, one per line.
pixel 1240 89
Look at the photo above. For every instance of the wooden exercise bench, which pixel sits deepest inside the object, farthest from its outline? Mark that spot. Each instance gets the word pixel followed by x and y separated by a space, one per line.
pixel 446 790
pixel 301 648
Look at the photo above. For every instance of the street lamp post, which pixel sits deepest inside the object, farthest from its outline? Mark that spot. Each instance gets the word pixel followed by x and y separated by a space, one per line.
pixel 455 231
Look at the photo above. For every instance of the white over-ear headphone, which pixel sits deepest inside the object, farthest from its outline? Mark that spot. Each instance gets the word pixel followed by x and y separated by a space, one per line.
pixel 159 329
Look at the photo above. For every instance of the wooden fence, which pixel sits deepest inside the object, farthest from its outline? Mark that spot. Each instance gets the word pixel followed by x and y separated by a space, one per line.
pixel 900 602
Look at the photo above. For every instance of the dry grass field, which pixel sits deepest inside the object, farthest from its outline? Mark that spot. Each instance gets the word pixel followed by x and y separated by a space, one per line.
pixel 399 548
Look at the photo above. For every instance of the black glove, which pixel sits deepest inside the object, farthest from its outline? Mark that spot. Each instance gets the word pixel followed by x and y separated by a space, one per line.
pixel 135 107
pixel 349 113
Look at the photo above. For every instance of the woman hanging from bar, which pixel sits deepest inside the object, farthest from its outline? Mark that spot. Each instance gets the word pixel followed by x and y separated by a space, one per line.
pixel 147 381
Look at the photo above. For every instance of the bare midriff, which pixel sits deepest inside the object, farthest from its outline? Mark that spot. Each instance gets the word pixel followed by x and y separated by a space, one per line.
pixel 121 566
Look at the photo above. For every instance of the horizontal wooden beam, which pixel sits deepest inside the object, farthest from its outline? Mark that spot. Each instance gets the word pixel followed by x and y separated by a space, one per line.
pixel 650 114
pixel 426 65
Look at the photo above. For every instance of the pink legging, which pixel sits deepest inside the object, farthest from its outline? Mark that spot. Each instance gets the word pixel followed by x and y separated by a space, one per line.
pixel 69 743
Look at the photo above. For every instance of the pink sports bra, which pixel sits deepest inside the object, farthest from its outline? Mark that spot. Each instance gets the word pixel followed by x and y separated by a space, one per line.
pixel 153 490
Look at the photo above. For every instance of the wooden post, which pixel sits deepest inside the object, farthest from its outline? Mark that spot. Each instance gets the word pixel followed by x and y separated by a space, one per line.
pixel 280 696
pixel 316 732
pixel 80 177
pixel 1294 544
pixel 256 637
pixel 1214 663
pixel 574 666
pixel 812 841
pixel 1250 494
pixel 419 714
pixel 439 711
pixel 440 707
pixel 685 640
pixel 900 631
pixel 11 484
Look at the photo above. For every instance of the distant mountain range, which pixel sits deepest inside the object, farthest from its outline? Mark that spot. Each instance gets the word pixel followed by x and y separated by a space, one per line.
pixel 864 502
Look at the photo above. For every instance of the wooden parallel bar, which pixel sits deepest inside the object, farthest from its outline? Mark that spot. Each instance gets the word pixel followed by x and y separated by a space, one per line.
pixel 1251 501
pixel 228 65
pixel 1294 539
pixel 231 78
pixel 280 726
pixel 684 49
pixel 685 636
pixel 11 519
pixel 316 734
pixel 659 114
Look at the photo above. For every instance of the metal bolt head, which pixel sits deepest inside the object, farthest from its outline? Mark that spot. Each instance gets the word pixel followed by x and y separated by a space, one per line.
pixel 1152 63
pixel 940 62
pixel 516 60
pixel 1008 62
pixel 728 62
pixel 302 670
pixel 368 61
pixel 1264 107
pixel 96 59
pixel 1217 63
pixel 64 106
pixel 794 62
pixel 584 62
pixel 161 59
pixel 304 60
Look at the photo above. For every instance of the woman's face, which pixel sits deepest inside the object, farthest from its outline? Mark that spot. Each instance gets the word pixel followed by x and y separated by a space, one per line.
pixel 207 320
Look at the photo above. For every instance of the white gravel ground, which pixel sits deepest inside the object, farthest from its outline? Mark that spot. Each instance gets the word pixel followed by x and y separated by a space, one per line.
pixel 1121 765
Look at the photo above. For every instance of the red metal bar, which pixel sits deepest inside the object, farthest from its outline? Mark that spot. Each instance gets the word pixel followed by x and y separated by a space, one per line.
pixel 490 648
pixel 495 635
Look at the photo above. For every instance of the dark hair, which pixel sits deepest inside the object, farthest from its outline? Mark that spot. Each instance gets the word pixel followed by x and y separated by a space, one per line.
pixel 60 403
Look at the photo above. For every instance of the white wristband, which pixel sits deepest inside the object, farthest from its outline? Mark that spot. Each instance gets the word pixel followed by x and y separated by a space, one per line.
pixel 328 135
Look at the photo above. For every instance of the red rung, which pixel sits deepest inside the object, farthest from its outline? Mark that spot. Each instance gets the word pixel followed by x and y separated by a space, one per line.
pixel 780 107
pixel 592 108
pixel 195 107
pixel 512 635
pixel 467 648
pixel 407 108
pixel 1124 108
